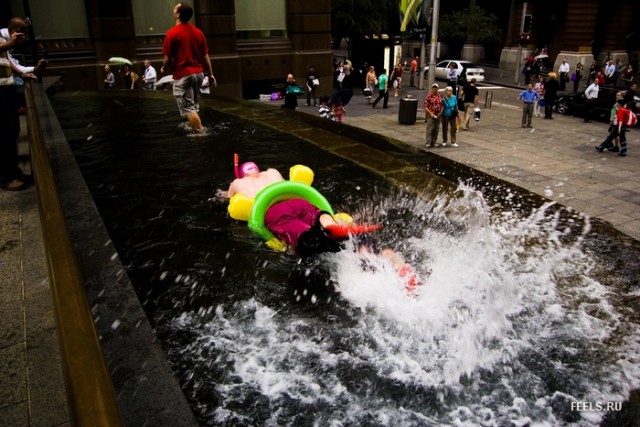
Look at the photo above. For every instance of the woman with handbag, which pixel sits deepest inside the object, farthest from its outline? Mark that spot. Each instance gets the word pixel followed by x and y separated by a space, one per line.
pixel 449 116
pixel 291 92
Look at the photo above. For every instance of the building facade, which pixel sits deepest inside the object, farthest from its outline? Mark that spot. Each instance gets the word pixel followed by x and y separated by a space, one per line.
pixel 253 44
pixel 579 30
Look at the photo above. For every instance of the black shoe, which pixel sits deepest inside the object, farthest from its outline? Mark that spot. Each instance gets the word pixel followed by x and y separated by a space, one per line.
pixel 614 149
pixel 600 149
pixel 622 154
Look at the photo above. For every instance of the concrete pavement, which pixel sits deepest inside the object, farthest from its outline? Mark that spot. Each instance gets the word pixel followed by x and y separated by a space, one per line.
pixel 32 390
pixel 555 158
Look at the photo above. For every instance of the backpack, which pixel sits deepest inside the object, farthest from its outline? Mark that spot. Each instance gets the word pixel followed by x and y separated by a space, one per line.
pixel 633 119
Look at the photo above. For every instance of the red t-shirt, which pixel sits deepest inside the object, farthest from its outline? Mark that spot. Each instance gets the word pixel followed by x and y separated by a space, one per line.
pixel 623 116
pixel 185 46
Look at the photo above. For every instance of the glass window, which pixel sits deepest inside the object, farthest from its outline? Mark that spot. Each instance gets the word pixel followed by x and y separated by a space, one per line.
pixel 153 17
pixel 261 18
pixel 52 20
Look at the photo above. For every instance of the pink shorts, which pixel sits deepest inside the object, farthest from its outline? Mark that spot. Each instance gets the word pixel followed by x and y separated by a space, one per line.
pixel 288 219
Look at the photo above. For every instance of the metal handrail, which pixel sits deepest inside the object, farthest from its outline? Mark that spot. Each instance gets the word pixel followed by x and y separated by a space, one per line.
pixel 91 396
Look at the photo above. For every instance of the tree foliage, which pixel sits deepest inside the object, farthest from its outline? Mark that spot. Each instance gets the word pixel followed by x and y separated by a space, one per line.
pixel 355 18
pixel 473 26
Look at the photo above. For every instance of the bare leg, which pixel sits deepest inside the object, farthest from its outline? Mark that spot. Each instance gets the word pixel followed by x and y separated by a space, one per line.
pixel 194 121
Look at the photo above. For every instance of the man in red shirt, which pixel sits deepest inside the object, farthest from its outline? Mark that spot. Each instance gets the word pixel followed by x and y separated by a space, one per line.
pixel 619 128
pixel 186 55
pixel 414 70
pixel 432 109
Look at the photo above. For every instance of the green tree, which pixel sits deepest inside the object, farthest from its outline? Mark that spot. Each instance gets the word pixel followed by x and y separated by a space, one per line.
pixel 469 26
pixel 354 18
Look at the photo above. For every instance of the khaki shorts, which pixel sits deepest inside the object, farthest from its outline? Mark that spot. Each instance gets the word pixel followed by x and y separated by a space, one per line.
pixel 186 91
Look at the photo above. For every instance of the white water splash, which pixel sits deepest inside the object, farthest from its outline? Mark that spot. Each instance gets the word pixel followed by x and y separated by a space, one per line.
pixel 508 328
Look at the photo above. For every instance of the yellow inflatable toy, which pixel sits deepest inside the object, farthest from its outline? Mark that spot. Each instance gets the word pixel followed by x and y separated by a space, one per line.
pixel 244 208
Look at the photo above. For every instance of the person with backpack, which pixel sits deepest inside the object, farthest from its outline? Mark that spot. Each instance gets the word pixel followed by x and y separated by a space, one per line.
pixel 624 118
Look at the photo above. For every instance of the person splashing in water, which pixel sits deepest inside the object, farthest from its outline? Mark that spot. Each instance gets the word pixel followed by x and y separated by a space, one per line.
pixel 306 229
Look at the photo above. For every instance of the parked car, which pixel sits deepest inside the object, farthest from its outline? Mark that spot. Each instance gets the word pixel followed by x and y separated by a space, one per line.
pixel 576 104
pixel 473 72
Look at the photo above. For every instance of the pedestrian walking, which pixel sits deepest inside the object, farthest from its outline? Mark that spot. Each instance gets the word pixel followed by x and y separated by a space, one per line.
pixel 383 90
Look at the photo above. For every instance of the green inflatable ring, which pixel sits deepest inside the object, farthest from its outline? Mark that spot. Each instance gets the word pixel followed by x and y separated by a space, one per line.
pixel 281 191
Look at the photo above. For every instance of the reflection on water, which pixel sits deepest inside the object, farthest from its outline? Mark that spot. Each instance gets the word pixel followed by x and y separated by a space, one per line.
pixel 516 318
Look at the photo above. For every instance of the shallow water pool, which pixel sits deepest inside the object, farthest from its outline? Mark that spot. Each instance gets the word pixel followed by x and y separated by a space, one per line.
pixel 520 315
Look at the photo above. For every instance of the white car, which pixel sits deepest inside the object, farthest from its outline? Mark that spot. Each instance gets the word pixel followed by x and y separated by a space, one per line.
pixel 472 71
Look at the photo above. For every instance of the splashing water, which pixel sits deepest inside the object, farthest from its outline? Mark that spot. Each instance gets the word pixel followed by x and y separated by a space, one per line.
pixel 508 328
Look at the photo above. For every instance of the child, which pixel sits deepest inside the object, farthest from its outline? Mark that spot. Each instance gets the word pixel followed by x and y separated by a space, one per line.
pixel 324 109
pixel 337 110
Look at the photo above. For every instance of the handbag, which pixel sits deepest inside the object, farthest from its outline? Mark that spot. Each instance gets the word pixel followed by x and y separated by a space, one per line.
pixel 460 104
pixel 294 90
pixel 316 82
pixel 454 111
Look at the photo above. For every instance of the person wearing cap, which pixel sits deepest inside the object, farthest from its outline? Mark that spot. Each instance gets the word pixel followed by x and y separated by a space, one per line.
pixel 433 109
pixel 296 222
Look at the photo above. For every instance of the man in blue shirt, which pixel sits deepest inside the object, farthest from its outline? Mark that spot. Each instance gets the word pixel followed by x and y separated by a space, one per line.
pixel 528 97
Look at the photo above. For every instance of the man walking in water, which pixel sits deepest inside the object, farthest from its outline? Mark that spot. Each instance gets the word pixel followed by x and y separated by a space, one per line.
pixel 186 56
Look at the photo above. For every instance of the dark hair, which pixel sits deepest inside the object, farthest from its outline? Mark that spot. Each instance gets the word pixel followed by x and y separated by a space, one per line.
pixel 17 24
pixel 185 11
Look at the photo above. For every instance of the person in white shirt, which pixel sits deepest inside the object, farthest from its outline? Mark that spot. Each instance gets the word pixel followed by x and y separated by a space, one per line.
pixel 610 72
pixel 591 94
pixel 564 73
pixel 18 25
pixel 149 77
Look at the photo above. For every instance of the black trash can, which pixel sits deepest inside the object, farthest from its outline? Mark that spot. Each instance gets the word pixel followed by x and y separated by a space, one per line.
pixel 408 110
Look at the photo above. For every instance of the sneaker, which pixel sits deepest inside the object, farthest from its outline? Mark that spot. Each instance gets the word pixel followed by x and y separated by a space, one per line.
pixel 185 126
pixel 444 144
pixel 622 154
pixel 614 149
pixel 454 145
pixel 600 149
pixel 15 185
